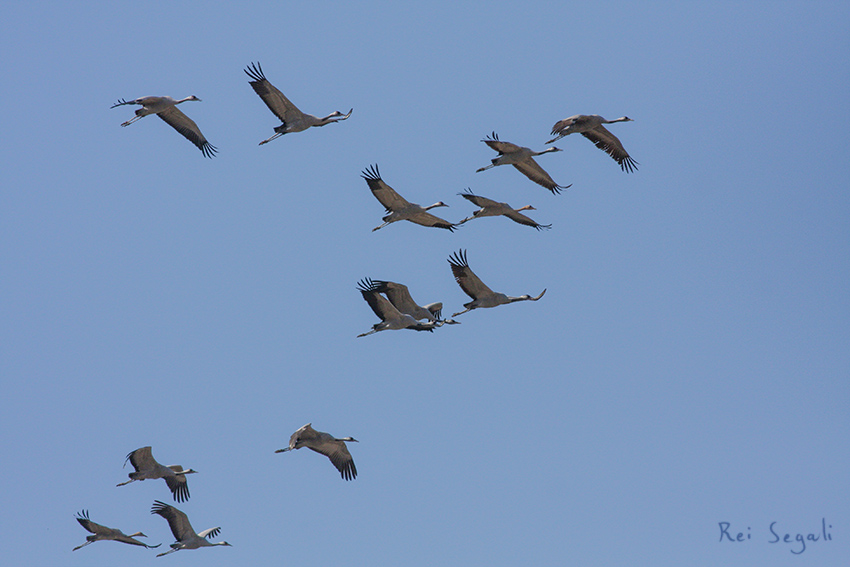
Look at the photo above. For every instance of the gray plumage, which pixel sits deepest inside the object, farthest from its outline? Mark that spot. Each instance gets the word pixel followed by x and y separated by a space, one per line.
pixel 482 296
pixel 399 296
pixel 102 533
pixel 183 531
pixel 292 119
pixel 166 108
pixel 491 208
pixel 327 445
pixel 392 318
pixel 400 208
pixel 148 468
pixel 591 127
pixel 521 158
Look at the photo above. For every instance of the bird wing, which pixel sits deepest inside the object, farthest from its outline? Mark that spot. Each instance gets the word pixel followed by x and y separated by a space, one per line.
pixel 398 294
pixel 478 200
pixel 132 541
pixel 385 194
pixel 379 304
pixel 280 106
pixel 425 218
pixel 522 219
pixel 141 459
pixel 466 279
pixel 338 453
pixel 435 308
pixel 175 118
pixel 177 520
pixel 210 533
pixel 306 431
pixel 502 147
pixel 610 144
pixel 426 326
pixel 533 171
pixel 565 124
pixel 122 102
pixel 178 484
pixel 83 518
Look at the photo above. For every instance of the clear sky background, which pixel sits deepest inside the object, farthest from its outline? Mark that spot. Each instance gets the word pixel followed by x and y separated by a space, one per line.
pixel 687 366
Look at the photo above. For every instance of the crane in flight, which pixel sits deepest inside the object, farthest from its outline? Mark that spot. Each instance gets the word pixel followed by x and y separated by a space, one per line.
pixel 327 445
pixel 491 208
pixel 102 533
pixel 148 467
pixel 292 119
pixel 400 208
pixel 521 158
pixel 183 531
pixel 482 296
pixel 166 108
pixel 591 127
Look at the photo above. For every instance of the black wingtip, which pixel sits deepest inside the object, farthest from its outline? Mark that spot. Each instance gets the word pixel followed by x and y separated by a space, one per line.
pixel 371 173
pixel 209 150
pixel 366 285
pixel 556 190
pixel 458 258
pixel 255 71
pixel 628 165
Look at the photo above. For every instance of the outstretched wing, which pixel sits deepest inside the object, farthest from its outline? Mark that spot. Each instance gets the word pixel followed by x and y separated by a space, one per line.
pixel 466 278
pixel 83 518
pixel 573 122
pixel 178 484
pixel 175 118
pixel 397 293
pixel 385 194
pixel 425 218
pixel 177 520
pixel 502 147
pixel 280 106
pixel 533 171
pixel 522 219
pixel 141 459
pixel 603 139
pixel 478 199
pixel 340 457
pixel 210 533
pixel 379 304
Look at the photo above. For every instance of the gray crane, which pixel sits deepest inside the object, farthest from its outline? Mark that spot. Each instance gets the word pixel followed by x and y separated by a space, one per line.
pixel 591 127
pixel 399 296
pixel 103 533
pixel 166 108
pixel 292 119
pixel 398 207
pixel 491 208
pixel 183 531
pixel 482 296
pixel 147 467
pixel 326 444
pixel 391 318
pixel 521 158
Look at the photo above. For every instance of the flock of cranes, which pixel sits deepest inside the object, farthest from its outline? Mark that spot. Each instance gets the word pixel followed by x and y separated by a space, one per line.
pixel 146 467
pixel 391 302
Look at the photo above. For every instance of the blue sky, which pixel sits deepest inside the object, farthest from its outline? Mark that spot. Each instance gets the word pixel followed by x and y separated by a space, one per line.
pixel 687 366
